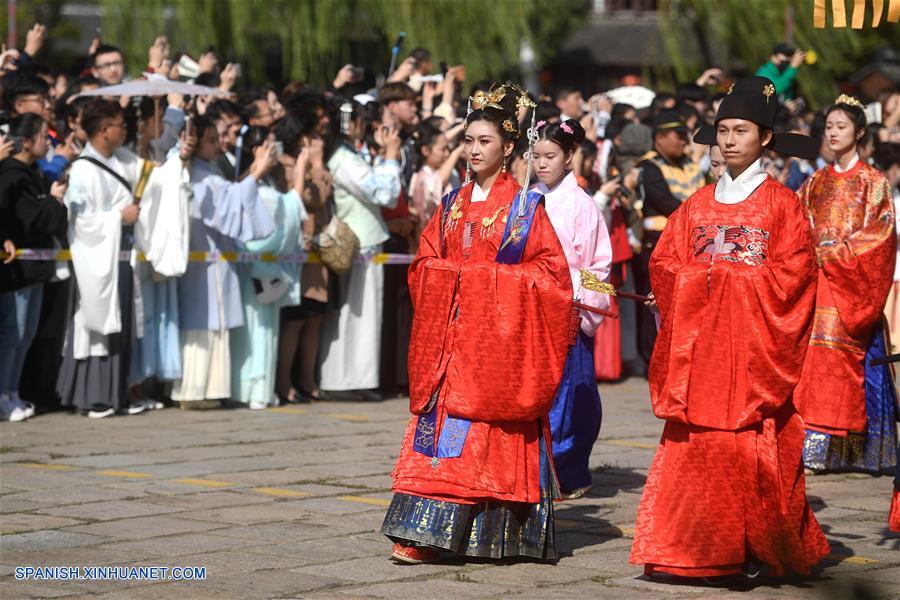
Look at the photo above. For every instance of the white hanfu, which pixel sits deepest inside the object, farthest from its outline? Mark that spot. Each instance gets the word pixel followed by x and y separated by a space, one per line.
pixel 96 352
pixel 223 215
pixel 351 337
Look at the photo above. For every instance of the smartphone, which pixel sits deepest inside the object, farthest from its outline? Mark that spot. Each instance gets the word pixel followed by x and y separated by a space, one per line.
pixel 357 74
pixel 279 148
pixel 444 67
pixel 18 144
pixel 237 70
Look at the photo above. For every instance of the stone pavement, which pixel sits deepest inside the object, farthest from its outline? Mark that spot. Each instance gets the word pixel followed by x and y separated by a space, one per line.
pixel 286 503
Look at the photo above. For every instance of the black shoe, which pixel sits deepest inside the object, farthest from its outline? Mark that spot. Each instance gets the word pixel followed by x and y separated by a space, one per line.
pixel 369 395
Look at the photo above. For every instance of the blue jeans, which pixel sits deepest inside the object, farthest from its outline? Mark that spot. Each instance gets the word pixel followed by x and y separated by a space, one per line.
pixel 19 312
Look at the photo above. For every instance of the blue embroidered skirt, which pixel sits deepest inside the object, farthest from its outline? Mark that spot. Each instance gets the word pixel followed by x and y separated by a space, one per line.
pixel 875 450
pixel 487 530
pixel 575 417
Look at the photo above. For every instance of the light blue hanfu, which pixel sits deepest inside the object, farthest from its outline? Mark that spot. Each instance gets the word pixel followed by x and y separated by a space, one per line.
pixel 157 354
pixel 254 347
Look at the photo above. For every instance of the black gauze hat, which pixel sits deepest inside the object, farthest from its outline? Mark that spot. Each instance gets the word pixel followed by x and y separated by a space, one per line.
pixel 755 99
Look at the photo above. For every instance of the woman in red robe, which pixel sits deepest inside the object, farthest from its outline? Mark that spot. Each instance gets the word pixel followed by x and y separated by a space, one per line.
pixel 734 279
pixel 492 297
pixel 848 404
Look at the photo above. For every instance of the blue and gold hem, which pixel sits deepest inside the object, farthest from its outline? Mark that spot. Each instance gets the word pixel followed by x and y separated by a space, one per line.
pixel 869 452
pixel 485 530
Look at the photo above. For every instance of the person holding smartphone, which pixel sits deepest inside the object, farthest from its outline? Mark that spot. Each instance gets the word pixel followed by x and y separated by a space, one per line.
pixel 31 211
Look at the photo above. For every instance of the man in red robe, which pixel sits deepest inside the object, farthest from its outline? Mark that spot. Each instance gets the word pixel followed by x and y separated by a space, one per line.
pixel 734 277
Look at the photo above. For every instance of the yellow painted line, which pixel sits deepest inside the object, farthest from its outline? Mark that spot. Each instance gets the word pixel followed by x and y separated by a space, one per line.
pixel 211 483
pixel 125 474
pixel 366 500
pixel 853 560
pixel 282 493
pixel 351 417
pixel 631 444
pixel 290 410
pixel 46 467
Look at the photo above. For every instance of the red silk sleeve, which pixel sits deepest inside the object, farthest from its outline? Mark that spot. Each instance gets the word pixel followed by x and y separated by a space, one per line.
pixel 432 288
pixel 734 335
pixel 511 336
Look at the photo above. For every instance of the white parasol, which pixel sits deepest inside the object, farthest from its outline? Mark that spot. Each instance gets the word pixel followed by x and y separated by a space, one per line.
pixel 156 85
pixel 636 95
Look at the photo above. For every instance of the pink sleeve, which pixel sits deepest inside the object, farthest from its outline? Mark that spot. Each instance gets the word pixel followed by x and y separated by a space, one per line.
pixel 596 252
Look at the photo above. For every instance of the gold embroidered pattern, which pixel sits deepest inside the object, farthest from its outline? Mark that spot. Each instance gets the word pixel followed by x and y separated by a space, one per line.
pixel 487 223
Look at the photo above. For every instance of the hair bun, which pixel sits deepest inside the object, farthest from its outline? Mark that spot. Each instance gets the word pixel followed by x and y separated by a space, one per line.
pixel 574 129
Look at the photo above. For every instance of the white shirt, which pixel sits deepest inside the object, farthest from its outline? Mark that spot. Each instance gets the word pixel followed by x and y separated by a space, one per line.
pixel 734 191
pixel 850 165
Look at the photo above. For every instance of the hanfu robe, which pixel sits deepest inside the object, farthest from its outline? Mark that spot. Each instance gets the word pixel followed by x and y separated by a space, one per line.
pixel 852 218
pixel 254 347
pixel 576 414
pixel 162 233
pixel 223 215
pixel 488 347
pixel 96 353
pixel 735 285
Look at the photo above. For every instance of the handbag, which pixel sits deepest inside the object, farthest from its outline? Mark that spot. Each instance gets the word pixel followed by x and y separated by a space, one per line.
pixel 336 245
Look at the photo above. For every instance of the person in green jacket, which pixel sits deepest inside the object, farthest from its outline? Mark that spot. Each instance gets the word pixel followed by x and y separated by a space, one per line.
pixel 782 69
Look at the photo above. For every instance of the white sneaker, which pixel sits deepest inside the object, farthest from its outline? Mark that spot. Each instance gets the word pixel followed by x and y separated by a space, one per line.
pixel 27 407
pixel 101 414
pixel 137 408
pixel 152 404
pixel 258 405
pixel 9 411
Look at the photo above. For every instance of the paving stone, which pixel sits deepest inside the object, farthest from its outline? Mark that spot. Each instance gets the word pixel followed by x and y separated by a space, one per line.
pixel 188 544
pixel 208 499
pixel 374 569
pixel 81 495
pixel 143 527
pixel 107 511
pixel 438 589
pixel 256 513
pixel 47 540
pixel 326 550
pixel 22 522
pixel 259 545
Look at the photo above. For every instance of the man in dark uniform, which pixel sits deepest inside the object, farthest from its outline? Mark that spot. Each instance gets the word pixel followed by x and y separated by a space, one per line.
pixel 668 178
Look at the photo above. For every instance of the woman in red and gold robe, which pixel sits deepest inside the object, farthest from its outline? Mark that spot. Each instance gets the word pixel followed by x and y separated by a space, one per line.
pixel 492 297
pixel 848 404
pixel 734 279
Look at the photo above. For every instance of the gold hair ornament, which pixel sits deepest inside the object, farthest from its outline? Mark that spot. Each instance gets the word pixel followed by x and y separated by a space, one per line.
pixel 768 91
pixel 509 126
pixel 848 100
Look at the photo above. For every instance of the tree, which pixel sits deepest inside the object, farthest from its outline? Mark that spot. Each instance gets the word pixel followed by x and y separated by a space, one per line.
pixel 314 38
pixel 740 35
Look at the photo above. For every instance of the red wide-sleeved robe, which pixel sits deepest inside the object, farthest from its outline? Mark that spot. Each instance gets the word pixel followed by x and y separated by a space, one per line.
pixel 852 218
pixel 496 362
pixel 735 286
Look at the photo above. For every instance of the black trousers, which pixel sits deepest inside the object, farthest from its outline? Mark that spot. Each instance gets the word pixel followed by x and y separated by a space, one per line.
pixel 646 321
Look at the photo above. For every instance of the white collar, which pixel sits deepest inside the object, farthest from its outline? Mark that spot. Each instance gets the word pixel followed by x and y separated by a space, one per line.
pixel 733 191
pixel 478 194
pixel 566 184
pixel 850 165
